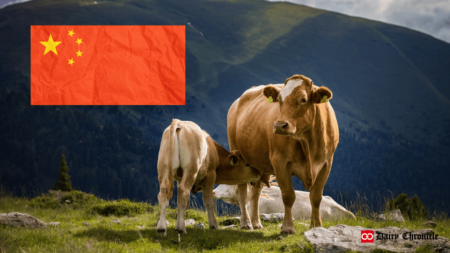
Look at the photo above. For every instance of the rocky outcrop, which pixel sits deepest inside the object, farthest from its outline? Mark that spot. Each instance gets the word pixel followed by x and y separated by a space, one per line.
pixel 395 215
pixel 429 224
pixel 273 217
pixel 189 222
pixel 343 238
pixel 21 220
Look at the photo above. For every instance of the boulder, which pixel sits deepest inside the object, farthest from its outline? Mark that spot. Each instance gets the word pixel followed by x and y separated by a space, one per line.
pixel 21 220
pixel 274 217
pixel 343 238
pixel 395 215
pixel 199 225
pixel 429 224
pixel 116 220
pixel 189 222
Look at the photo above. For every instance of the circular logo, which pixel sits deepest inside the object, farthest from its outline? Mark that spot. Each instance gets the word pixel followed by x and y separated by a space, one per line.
pixel 366 236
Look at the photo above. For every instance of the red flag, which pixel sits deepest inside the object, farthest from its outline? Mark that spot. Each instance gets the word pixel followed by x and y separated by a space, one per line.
pixel 107 65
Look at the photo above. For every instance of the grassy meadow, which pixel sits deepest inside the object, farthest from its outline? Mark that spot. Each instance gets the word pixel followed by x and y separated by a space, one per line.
pixel 102 236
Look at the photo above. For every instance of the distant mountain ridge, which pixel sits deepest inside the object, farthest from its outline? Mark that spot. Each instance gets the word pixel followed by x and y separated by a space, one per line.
pixel 391 85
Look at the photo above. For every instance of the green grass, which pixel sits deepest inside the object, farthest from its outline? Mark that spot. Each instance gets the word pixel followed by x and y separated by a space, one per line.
pixel 102 236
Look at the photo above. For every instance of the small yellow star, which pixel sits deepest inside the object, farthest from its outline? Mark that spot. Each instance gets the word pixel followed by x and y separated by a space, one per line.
pixel 71 33
pixel 50 45
pixel 79 53
pixel 79 41
pixel 71 62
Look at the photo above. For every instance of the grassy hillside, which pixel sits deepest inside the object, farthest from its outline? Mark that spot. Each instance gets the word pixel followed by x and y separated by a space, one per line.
pixel 102 236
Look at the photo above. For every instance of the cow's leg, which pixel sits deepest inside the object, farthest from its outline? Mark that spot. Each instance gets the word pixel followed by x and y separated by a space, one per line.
pixel 288 195
pixel 255 192
pixel 315 196
pixel 208 199
pixel 184 189
pixel 245 219
pixel 161 227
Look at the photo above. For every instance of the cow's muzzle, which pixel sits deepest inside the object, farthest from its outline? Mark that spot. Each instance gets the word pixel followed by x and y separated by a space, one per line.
pixel 282 127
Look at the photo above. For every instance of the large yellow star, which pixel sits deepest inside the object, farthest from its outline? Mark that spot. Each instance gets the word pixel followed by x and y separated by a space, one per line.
pixel 79 41
pixel 71 62
pixel 71 32
pixel 79 53
pixel 50 45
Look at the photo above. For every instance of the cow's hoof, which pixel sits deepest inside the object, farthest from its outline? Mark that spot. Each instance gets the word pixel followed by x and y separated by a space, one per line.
pixel 258 226
pixel 181 231
pixel 161 231
pixel 214 227
pixel 288 231
pixel 247 227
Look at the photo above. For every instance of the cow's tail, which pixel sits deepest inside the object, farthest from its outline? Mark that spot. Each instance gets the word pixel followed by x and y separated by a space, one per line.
pixel 172 151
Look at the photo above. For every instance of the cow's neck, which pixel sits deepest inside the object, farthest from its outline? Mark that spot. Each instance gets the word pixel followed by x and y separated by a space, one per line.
pixel 312 141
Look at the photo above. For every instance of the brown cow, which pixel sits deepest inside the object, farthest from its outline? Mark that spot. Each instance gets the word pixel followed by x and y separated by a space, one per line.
pixel 190 156
pixel 296 134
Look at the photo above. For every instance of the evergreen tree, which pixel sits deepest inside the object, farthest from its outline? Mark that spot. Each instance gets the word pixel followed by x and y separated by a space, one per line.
pixel 64 183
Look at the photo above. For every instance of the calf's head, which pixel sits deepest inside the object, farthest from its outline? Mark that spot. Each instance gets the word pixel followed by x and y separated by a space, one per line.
pixel 297 100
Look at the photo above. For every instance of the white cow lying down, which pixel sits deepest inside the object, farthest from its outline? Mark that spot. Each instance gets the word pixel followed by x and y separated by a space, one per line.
pixel 270 201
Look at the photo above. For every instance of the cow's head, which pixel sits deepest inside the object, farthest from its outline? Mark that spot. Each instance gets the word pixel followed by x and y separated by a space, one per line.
pixel 297 101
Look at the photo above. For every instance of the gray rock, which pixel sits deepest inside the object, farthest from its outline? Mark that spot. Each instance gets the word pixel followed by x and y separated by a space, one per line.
pixel 199 225
pixel 230 226
pixel 86 223
pixel 53 223
pixel 343 238
pixel 116 220
pixel 68 201
pixel 230 221
pixel 21 220
pixel 395 215
pixel 274 217
pixel 189 222
pixel 429 224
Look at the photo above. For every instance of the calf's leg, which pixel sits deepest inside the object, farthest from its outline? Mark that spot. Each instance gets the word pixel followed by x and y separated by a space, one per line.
pixel 255 192
pixel 208 199
pixel 245 219
pixel 161 227
pixel 184 189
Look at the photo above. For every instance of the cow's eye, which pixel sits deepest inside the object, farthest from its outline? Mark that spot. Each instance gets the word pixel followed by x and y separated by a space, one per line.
pixel 303 100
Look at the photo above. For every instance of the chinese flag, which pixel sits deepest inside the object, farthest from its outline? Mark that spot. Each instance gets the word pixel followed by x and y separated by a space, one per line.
pixel 107 65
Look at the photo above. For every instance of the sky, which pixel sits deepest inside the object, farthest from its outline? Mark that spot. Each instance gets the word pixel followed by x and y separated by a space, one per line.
pixel 428 16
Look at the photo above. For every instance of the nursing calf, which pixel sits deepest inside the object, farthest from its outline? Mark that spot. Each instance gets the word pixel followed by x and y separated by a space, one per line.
pixel 270 201
pixel 190 156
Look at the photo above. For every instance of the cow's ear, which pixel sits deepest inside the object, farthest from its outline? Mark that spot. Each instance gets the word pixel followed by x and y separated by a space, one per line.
pixel 271 91
pixel 233 159
pixel 321 95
